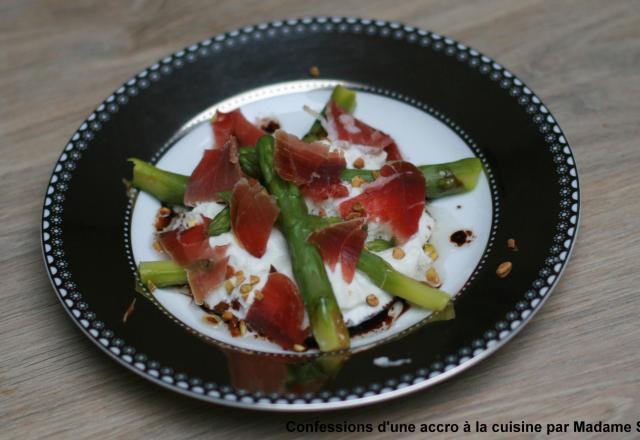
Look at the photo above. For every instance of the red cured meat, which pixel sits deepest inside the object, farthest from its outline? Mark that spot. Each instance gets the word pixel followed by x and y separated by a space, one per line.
pixel 349 128
pixel 341 242
pixel 279 315
pixel 218 170
pixel 253 214
pixel 205 265
pixel 312 166
pixel 187 245
pixel 205 276
pixel 319 190
pixel 396 198
pixel 235 124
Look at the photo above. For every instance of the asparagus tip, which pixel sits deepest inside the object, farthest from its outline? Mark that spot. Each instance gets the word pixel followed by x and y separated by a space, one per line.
pixel 470 178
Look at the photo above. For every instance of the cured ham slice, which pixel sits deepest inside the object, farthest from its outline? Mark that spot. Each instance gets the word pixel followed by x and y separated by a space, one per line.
pixel 313 167
pixel 348 128
pixel 204 276
pixel 253 214
pixel 205 265
pixel 395 198
pixel 319 190
pixel 218 170
pixel 279 315
pixel 341 242
pixel 235 124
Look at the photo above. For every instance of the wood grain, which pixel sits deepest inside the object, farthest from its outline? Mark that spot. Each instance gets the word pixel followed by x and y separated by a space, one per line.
pixel 578 359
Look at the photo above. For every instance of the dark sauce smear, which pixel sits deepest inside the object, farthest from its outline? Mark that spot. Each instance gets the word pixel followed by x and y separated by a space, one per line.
pixel 461 237
pixel 270 125
pixel 378 321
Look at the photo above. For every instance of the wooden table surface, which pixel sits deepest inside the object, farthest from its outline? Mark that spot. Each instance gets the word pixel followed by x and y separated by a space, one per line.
pixel 578 359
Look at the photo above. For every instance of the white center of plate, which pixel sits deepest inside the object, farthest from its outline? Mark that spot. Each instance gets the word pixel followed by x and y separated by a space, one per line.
pixel 422 139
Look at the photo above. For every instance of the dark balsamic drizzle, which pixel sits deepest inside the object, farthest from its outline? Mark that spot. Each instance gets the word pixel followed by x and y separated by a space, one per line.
pixel 461 237
pixel 270 125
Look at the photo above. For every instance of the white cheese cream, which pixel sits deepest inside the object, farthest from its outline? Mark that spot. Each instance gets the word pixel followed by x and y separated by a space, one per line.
pixel 351 297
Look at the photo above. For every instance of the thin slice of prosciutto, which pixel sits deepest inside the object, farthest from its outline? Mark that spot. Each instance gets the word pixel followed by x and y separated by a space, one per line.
pixel 348 128
pixel 341 242
pixel 253 214
pixel 279 315
pixel 205 265
pixel 235 124
pixel 396 198
pixel 313 167
pixel 218 170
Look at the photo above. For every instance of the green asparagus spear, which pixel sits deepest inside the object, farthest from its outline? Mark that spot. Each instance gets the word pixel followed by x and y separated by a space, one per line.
pixel 342 96
pixel 167 273
pixel 162 273
pixel 318 222
pixel 249 162
pixel 163 185
pixel 325 316
pixel 379 245
pixel 444 179
pixel 220 224
pixel 383 275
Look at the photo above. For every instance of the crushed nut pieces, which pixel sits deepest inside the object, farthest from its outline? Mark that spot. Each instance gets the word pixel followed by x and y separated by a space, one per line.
pixel 227 316
pixel 433 278
pixel 163 218
pixel 431 251
pixel 372 300
pixel 357 181
pixel 511 245
pixel 504 269
pixel 211 319
pixel 299 348
pixel 398 253
pixel 254 279
pixel 357 211
pixel 246 288
pixel 258 295
pixel 314 71
pixel 239 277
pixel 375 174
pixel 358 163
pixel 228 285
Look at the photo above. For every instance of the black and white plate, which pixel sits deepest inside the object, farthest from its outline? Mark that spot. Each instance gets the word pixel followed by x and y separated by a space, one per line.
pixel 439 99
